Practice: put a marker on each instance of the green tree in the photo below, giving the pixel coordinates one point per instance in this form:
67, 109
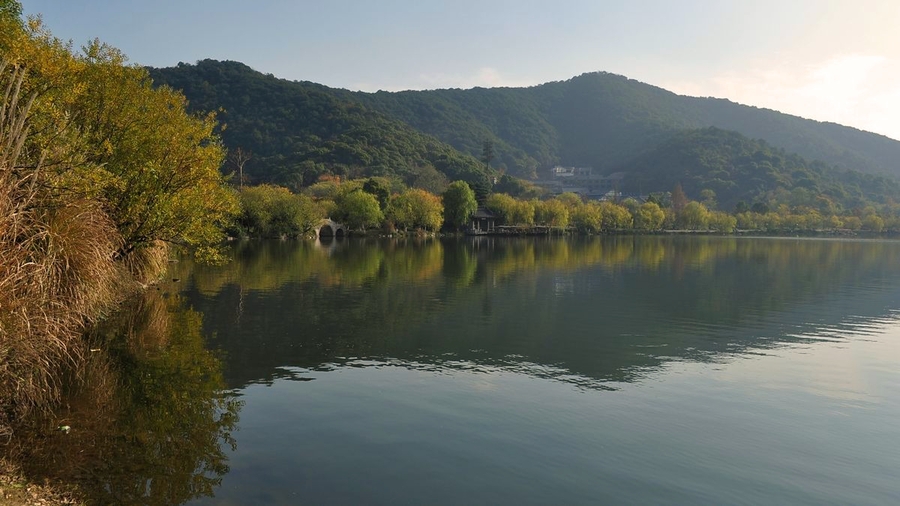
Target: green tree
323, 190
359, 210
430, 211
771, 222
503, 206
615, 217
256, 209
722, 222
570, 200
852, 223
160, 174
481, 184
96, 170
272, 211
694, 216
459, 204
523, 213
649, 216
631, 204
416, 208
588, 218
662, 199
380, 187
748, 221
516, 187
487, 153
708, 198
11, 10
552, 213
429, 179
873, 223
835, 223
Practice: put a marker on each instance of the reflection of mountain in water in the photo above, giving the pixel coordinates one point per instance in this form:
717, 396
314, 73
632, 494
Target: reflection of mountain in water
589, 311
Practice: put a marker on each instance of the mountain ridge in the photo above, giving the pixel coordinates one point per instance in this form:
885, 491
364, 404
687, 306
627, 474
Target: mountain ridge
664, 111
300, 130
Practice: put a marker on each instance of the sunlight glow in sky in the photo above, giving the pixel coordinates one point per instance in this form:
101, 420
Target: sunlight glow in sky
830, 60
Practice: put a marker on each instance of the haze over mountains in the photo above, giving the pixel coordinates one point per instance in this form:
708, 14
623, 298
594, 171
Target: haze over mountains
298, 131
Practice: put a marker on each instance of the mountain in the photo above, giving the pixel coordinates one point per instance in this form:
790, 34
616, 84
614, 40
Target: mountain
298, 131
602, 120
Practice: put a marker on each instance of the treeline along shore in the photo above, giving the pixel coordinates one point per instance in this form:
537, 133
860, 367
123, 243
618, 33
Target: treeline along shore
380, 205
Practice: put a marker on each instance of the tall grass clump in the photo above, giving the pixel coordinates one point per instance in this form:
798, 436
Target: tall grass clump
57, 267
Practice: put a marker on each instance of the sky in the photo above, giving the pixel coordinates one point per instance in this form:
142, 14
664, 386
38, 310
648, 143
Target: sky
830, 60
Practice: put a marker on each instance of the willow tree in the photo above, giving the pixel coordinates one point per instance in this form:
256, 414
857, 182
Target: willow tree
588, 218
415, 208
649, 216
459, 204
553, 213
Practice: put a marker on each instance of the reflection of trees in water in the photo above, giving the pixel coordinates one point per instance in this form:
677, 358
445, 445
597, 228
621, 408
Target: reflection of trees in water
148, 417
568, 303
268, 265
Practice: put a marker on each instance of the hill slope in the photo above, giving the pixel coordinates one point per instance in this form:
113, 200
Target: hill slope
737, 169
602, 120
297, 132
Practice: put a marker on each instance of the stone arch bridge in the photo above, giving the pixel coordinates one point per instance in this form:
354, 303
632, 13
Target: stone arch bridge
329, 228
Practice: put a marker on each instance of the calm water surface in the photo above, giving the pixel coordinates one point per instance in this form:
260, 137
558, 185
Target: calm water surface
648, 370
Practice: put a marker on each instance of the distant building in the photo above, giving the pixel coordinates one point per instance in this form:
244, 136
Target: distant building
583, 181
483, 221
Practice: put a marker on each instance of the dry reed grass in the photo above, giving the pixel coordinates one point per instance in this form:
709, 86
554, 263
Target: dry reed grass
147, 264
57, 265
57, 273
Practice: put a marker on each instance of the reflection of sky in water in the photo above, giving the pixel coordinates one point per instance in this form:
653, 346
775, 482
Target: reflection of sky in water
804, 423
835, 361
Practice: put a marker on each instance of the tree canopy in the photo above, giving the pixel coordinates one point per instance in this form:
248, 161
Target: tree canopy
459, 204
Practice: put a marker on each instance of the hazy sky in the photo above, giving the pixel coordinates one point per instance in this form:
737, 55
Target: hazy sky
831, 60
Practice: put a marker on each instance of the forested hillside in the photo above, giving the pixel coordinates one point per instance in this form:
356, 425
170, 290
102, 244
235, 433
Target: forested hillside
298, 131
602, 120
737, 169
838, 145
523, 140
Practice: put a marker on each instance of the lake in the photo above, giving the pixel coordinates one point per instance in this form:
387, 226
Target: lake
614, 370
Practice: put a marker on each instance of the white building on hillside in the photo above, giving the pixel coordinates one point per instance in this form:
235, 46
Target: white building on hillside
581, 180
